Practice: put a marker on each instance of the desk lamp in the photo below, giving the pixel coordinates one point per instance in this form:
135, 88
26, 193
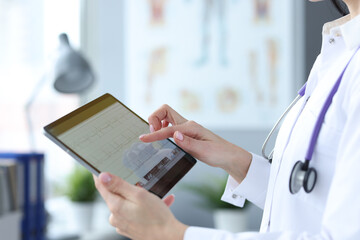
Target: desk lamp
71, 73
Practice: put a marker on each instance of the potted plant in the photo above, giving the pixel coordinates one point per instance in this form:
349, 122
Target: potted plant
226, 216
82, 192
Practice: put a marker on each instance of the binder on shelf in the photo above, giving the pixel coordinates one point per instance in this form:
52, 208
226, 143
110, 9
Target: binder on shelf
10, 183
31, 181
4, 193
40, 214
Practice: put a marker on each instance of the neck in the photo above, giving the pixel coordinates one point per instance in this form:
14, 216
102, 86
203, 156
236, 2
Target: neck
354, 7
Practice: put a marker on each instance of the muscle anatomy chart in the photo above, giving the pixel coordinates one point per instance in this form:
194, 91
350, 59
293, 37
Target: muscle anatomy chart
213, 10
215, 61
262, 10
157, 11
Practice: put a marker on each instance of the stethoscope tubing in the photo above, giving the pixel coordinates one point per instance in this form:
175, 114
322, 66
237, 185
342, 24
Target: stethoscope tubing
323, 112
303, 176
269, 157
318, 123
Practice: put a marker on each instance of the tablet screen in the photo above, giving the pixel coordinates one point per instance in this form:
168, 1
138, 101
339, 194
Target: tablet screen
105, 135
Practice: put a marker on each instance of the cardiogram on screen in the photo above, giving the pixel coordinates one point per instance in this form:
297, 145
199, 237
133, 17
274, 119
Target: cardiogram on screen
110, 140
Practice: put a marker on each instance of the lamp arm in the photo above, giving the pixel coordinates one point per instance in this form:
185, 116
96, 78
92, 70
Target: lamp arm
28, 106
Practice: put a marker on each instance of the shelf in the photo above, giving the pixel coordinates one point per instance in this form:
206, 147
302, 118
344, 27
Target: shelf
10, 226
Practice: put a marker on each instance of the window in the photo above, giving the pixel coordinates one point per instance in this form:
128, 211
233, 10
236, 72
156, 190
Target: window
29, 32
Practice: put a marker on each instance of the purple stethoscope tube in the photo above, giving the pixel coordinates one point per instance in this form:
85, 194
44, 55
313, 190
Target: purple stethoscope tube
323, 111
302, 175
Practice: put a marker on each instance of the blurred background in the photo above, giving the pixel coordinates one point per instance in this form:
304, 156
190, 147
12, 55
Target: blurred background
231, 65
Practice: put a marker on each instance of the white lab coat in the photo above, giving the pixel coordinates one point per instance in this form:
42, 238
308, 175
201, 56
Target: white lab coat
332, 209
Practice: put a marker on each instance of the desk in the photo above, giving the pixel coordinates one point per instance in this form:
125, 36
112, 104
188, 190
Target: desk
10, 225
62, 225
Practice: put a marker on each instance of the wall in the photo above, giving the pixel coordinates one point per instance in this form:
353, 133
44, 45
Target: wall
316, 14
102, 41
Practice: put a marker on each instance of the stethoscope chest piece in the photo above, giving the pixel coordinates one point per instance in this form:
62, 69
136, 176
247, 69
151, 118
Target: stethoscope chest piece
302, 176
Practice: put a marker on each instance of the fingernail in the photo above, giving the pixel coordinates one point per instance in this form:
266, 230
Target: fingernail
141, 136
152, 129
105, 177
179, 136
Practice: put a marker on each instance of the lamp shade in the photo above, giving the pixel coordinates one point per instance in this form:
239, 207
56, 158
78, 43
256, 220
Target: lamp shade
72, 72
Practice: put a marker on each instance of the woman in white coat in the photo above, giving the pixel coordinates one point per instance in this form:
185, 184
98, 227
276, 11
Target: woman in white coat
330, 211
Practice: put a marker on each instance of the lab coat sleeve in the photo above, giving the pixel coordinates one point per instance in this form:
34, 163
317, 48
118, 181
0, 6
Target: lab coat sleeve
253, 187
193, 233
341, 219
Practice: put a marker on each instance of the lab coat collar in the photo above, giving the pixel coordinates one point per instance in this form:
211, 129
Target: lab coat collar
346, 27
333, 26
351, 33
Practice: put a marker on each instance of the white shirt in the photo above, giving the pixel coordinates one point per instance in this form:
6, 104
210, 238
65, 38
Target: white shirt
332, 209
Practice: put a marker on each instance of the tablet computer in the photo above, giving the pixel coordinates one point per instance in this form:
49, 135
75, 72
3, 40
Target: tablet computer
103, 136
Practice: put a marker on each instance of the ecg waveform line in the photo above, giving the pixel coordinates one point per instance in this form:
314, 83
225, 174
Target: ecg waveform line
105, 136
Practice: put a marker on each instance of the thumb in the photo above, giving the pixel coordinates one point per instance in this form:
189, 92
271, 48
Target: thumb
169, 200
117, 185
190, 145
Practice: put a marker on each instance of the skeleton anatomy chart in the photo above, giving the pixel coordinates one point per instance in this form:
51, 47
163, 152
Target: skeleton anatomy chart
222, 63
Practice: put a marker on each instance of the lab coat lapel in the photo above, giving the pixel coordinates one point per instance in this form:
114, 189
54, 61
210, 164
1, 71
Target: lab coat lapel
329, 75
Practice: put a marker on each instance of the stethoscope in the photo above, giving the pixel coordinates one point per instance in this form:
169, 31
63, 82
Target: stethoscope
302, 175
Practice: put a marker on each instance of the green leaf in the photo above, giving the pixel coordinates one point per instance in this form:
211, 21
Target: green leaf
80, 185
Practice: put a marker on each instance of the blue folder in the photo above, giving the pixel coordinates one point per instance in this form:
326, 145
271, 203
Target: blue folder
34, 216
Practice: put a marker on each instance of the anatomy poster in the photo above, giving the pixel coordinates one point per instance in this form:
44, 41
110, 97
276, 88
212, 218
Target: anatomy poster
223, 63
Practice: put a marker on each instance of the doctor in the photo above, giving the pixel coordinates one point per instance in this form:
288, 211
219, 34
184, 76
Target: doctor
324, 206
